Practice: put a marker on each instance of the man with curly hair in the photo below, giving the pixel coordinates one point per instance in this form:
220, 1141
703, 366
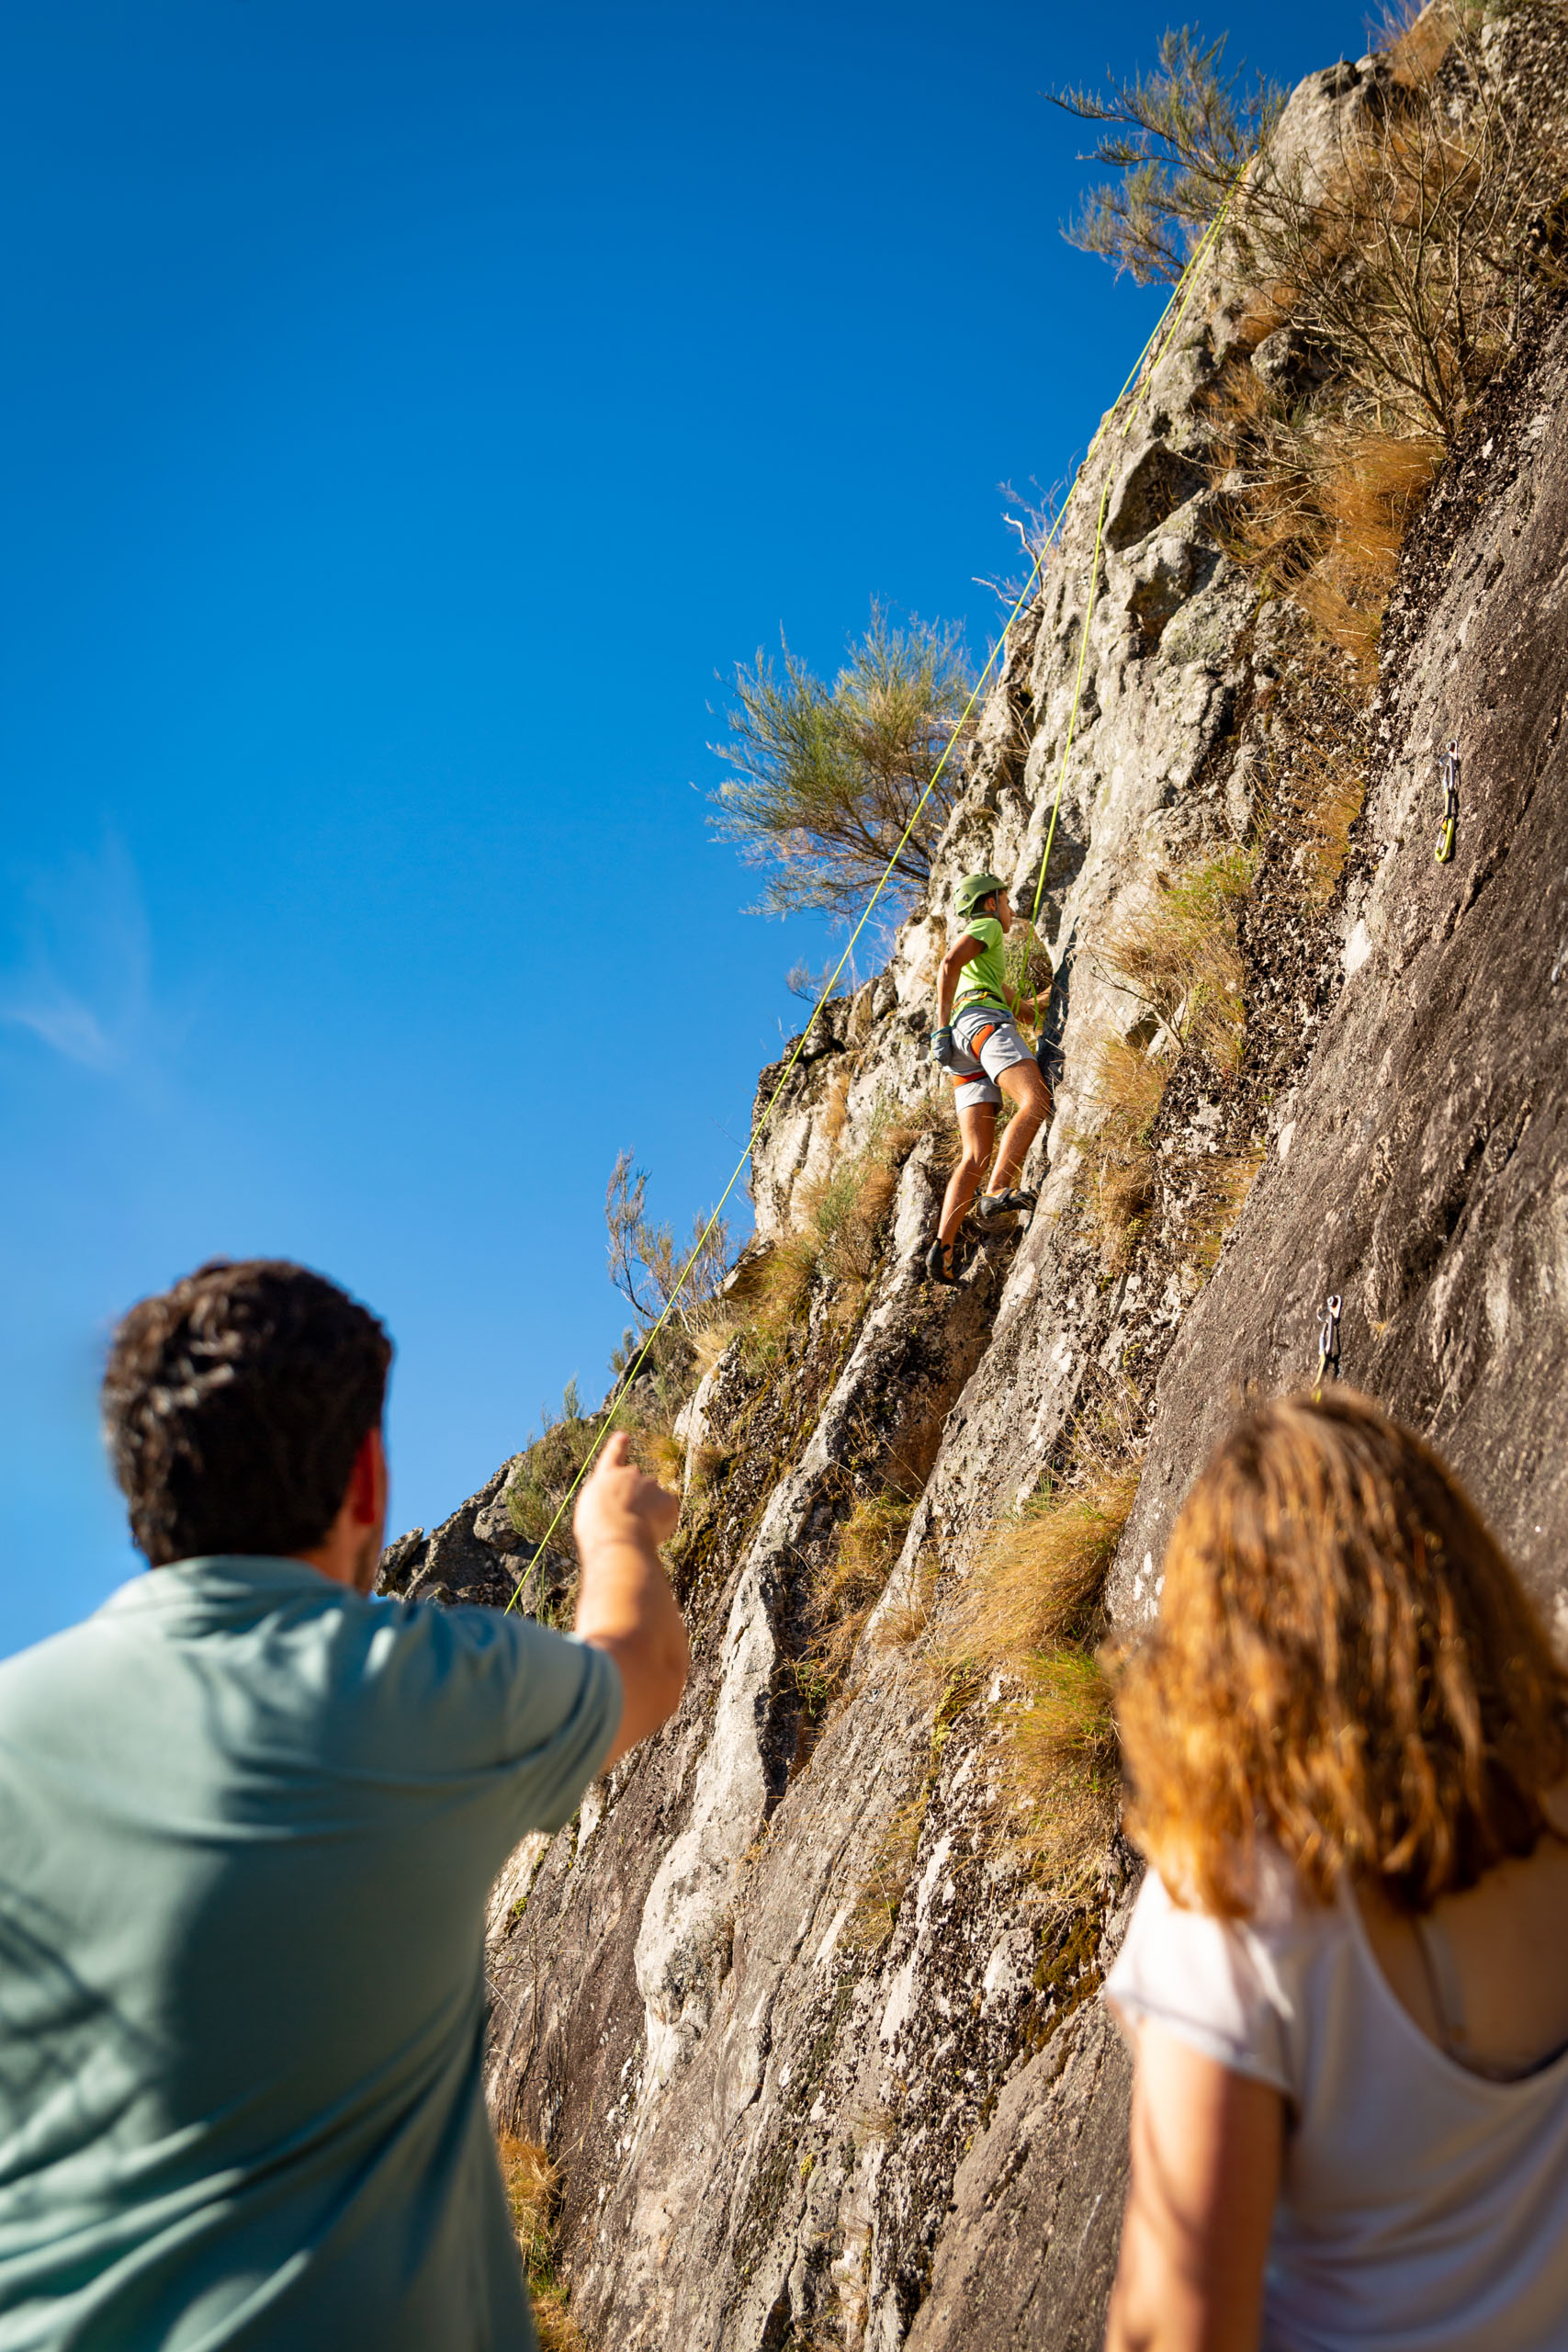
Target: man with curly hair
249, 1818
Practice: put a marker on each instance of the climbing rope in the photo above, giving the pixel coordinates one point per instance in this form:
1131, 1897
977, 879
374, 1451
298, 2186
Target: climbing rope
1180, 299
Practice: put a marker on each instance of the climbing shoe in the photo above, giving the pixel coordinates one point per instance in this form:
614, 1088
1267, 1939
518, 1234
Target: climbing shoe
992, 1207
939, 1267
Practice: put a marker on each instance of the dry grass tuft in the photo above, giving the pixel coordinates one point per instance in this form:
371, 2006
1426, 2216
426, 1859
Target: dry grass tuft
1224, 1182
869, 1543
1178, 953
835, 1110
1061, 1769
533, 2195
1040, 1577
1034, 1612
710, 1340
1127, 1087
1417, 39
660, 1452
905, 1623
1367, 488
1336, 797
780, 1291
846, 1214
876, 1914
847, 1590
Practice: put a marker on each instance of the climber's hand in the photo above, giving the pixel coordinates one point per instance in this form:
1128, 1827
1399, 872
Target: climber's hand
620, 1502
625, 1602
943, 1050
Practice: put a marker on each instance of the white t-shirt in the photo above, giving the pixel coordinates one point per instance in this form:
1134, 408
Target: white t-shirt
1422, 2208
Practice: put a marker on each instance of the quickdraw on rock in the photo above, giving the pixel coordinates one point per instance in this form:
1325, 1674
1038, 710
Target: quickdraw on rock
1448, 776
1328, 1337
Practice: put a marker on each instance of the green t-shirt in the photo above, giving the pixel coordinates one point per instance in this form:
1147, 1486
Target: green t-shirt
248, 1823
984, 980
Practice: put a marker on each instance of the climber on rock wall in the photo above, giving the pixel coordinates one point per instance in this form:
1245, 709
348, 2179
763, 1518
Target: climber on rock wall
250, 1818
976, 1041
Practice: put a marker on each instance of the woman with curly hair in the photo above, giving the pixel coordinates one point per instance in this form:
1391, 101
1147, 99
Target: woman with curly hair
1346, 1978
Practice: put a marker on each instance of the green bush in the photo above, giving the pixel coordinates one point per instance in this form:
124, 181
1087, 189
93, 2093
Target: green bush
827, 778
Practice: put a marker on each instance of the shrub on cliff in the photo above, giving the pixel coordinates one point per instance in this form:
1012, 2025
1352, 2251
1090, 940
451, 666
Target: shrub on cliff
1385, 251
1179, 138
659, 1278
1396, 248
828, 779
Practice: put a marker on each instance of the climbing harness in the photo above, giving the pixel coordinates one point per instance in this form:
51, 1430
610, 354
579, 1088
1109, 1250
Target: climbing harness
1448, 776
1181, 299
1327, 1339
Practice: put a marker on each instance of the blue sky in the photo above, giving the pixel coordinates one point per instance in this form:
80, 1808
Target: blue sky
409, 409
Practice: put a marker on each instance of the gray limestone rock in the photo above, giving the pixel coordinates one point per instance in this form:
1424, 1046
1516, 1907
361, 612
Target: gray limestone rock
820, 2062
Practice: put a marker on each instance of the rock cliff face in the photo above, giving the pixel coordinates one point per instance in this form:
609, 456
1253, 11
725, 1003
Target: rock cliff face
818, 2051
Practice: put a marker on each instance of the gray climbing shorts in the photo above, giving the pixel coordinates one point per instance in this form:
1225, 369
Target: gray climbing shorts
974, 1085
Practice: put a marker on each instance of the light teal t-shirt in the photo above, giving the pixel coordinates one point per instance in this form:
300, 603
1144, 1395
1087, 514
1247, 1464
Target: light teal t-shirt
248, 1823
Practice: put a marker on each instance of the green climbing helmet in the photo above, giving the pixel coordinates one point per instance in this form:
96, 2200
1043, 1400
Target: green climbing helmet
974, 888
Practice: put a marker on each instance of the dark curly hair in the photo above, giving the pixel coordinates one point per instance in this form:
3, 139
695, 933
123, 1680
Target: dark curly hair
234, 1405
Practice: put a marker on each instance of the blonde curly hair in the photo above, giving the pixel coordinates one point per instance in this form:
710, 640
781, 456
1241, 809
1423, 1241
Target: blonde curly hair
1345, 1663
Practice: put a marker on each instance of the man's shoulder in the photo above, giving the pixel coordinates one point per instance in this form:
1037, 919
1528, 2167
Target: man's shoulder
425, 1647
986, 929
45, 1668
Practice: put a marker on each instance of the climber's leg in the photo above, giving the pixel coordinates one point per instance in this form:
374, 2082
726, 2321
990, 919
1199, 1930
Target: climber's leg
1024, 1085
977, 1126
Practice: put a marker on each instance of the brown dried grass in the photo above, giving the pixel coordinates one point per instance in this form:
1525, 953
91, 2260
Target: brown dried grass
1034, 1612
1335, 798
1179, 953
660, 1452
845, 1217
711, 1337
1367, 489
1264, 309
533, 2183
835, 1110
1224, 1182
1116, 1159
846, 1591
1061, 1774
1040, 1579
908, 1618
1417, 40
869, 1543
